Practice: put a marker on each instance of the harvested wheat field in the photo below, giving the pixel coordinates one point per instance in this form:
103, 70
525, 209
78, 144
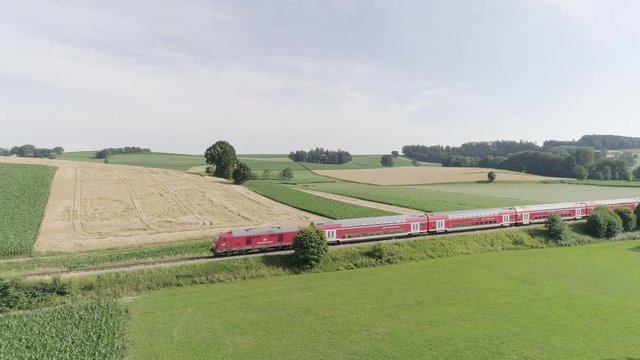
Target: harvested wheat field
96, 206
425, 175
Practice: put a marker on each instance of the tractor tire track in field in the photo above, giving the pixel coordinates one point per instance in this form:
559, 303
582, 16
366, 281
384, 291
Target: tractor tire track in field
177, 200
76, 207
229, 207
134, 199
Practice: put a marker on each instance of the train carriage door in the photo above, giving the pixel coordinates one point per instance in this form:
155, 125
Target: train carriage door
525, 218
415, 228
578, 213
439, 225
331, 235
505, 220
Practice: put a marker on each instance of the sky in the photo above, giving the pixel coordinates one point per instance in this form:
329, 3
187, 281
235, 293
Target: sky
275, 76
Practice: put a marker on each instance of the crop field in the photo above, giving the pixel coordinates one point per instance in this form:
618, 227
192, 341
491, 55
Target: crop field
80, 331
419, 198
314, 204
23, 197
425, 175
99, 206
558, 303
547, 193
153, 160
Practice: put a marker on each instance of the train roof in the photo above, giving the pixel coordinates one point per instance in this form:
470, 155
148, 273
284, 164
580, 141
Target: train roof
378, 220
260, 231
472, 213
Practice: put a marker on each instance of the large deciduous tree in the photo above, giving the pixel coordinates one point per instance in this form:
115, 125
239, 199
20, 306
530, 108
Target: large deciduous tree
386, 160
310, 247
223, 156
242, 173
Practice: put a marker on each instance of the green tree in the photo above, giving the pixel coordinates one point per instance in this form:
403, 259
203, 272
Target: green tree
637, 213
629, 219
285, 175
242, 173
310, 247
266, 175
491, 176
614, 225
223, 156
395, 154
636, 173
597, 222
58, 150
210, 169
386, 160
415, 163
556, 227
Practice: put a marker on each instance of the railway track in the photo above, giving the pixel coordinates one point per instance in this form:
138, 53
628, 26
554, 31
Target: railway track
207, 258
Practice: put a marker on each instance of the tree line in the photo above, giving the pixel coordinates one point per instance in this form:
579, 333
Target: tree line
598, 142
105, 153
570, 161
29, 150
321, 156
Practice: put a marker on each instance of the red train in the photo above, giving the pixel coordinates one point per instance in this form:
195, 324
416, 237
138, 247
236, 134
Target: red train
397, 226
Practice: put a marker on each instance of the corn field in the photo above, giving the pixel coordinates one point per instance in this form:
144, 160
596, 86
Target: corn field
93, 330
24, 190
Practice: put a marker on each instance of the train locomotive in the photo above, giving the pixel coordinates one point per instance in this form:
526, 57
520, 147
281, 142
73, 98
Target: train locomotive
399, 226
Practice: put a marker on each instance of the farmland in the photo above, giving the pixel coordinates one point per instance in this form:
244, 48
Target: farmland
425, 175
80, 331
153, 160
422, 198
314, 204
488, 306
23, 197
98, 206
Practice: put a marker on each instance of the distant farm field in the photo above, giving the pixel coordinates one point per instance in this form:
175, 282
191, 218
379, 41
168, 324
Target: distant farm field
425, 175
152, 160
547, 193
311, 203
558, 303
23, 197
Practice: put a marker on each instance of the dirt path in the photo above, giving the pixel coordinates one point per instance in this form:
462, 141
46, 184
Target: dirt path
370, 204
97, 206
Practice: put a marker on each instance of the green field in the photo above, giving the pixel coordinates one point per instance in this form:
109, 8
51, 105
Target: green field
558, 303
24, 190
311, 203
419, 198
153, 160
540, 192
80, 331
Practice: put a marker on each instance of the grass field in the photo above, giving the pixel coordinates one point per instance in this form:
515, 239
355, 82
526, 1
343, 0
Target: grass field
311, 203
23, 196
419, 198
154, 160
548, 193
559, 303
80, 331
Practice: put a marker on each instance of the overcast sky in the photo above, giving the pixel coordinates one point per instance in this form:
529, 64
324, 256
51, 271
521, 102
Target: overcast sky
273, 76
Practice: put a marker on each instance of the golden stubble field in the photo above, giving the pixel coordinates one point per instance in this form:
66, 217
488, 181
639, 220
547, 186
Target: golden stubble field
96, 206
425, 175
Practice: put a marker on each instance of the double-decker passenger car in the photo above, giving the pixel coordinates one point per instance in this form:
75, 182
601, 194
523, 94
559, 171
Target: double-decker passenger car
470, 219
373, 228
533, 214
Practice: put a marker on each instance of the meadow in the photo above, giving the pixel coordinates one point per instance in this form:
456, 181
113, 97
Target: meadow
419, 198
310, 203
558, 303
23, 194
179, 162
93, 330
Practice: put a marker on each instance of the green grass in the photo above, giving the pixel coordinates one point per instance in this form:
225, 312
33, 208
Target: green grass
615, 183
419, 198
81, 331
24, 190
542, 193
559, 303
51, 263
153, 160
314, 204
